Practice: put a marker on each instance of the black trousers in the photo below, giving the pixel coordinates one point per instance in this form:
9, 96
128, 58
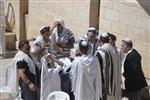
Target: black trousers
26, 93
66, 84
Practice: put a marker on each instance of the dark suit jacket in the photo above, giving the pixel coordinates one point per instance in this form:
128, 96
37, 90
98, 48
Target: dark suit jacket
134, 77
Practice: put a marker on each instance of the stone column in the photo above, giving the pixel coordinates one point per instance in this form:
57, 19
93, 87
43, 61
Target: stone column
2, 29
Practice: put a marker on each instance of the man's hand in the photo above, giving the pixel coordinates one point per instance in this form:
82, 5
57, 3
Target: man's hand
50, 57
32, 87
46, 45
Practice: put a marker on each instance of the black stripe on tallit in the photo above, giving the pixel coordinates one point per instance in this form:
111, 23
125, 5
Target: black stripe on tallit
109, 61
101, 65
106, 70
111, 71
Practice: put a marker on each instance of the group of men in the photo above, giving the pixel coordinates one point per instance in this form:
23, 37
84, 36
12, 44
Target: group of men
92, 73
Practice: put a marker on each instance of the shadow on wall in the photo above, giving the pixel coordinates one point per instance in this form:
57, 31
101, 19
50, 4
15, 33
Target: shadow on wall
10, 17
145, 5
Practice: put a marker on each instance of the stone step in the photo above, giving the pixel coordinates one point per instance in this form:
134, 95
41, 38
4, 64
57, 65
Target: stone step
10, 41
10, 54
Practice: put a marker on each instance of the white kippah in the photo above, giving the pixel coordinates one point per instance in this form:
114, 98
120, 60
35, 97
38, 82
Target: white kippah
92, 28
84, 43
127, 40
105, 34
42, 27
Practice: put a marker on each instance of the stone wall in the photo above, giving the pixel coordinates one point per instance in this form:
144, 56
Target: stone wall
126, 18
2, 28
75, 14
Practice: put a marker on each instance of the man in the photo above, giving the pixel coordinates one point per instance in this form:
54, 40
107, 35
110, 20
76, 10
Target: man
27, 69
134, 76
50, 79
112, 39
120, 54
92, 38
109, 61
43, 43
86, 75
63, 39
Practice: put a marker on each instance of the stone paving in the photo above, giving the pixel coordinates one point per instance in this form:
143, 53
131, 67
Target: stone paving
3, 62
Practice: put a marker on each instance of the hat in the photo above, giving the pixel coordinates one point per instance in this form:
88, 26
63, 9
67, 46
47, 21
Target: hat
104, 37
83, 46
127, 40
92, 29
44, 29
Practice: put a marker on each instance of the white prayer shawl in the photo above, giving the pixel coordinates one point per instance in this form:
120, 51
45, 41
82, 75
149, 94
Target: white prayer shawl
18, 57
39, 43
120, 56
66, 33
67, 63
115, 90
50, 80
86, 78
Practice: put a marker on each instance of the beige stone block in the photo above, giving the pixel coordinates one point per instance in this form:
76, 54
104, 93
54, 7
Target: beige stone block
142, 34
142, 22
106, 4
141, 46
105, 24
133, 10
82, 16
116, 27
141, 12
139, 32
132, 3
120, 37
111, 14
122, 7
83, 6
102, 9
149, 24
124, 18
149, 36
102, 31
137, 46
123, 28
149, 49
132, 19
145, 36
131, 32
145, 61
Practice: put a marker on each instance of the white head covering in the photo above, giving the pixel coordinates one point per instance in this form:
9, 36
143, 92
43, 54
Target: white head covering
42, 27
127, 40
105, 35
92, 29
61, 22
